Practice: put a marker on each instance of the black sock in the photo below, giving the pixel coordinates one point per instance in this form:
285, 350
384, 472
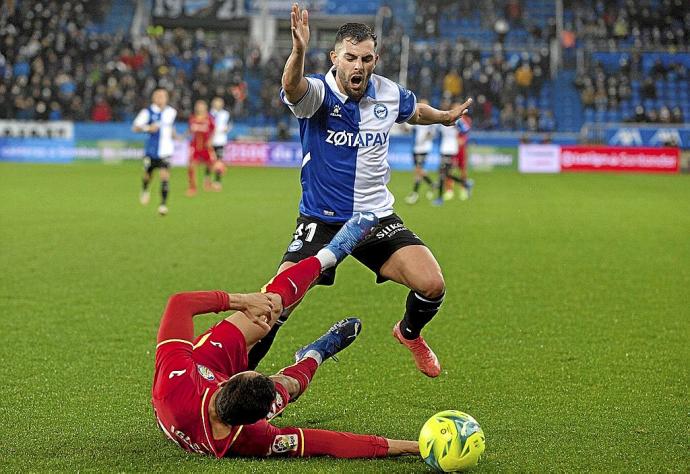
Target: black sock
145, 184
416, 186
418, 312
218, 175
164, 192
261, 348
428, 180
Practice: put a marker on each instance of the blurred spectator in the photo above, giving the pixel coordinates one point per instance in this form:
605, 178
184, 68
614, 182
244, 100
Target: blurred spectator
452, 85
101, 111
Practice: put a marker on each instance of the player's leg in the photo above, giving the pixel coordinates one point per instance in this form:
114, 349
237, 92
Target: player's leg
164, 174
415, 267
419, 174
218, 168
145, 196
443, 172
191, 172
310, 236
396, 253
207, 172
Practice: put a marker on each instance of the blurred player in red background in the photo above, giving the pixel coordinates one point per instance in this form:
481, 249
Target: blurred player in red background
464, 126
201, 151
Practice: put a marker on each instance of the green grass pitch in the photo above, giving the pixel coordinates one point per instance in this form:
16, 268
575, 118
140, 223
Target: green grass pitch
565, 332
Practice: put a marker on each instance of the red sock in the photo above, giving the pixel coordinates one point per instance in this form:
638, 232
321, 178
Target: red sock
291, 284
303, 371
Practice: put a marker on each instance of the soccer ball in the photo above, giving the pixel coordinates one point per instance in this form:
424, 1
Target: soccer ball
451, 441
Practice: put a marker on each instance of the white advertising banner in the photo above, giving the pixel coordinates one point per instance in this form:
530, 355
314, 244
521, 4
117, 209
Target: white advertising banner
539, 159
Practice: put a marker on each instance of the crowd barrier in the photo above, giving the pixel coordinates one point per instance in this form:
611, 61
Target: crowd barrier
63, 142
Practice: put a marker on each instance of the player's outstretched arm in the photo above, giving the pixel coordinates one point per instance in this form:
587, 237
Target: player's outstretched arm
176, 322
293, 81
426, 115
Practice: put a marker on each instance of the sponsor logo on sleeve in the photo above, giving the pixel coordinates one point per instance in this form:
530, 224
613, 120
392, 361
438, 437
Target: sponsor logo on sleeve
205, 372
284, 443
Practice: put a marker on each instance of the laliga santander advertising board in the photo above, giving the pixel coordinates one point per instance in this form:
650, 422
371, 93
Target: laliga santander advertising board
589, 158
620, 159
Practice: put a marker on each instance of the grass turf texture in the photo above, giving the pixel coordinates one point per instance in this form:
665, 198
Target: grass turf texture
564, 333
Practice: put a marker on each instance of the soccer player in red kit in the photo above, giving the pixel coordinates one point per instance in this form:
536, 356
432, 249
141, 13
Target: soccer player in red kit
201, 150
206, 400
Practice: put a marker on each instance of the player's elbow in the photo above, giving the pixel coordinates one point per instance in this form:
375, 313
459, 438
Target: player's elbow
178, 298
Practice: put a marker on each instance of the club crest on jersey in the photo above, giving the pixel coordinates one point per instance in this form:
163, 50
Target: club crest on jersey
284, 443
356, 139
381, 111
295, 246
205, 372
336, 111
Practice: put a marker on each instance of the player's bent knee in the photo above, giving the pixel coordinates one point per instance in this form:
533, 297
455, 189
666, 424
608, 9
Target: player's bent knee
431, 287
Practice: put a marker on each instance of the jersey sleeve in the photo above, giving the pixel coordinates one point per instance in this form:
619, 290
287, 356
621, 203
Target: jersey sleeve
176, 323
407, 106
142, 118
310, 101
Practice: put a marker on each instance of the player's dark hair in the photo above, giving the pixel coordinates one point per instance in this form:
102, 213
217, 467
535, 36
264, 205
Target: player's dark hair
355, 32
245, 399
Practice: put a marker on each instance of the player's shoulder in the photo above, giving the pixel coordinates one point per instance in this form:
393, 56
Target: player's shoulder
319, 76
386, 88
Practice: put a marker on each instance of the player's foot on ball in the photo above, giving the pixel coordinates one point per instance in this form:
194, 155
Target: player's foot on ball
163, 210
352, 233
448, 195
144, 197
412, 198
191, 192
338, 337
437, 202
424, 358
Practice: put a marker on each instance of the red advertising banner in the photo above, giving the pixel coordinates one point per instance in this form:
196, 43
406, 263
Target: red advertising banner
246, 153
622, 159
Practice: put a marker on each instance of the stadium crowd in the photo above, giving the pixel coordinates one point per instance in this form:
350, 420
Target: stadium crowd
56, 65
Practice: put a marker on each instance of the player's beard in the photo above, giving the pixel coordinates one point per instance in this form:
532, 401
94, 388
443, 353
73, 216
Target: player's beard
354, 94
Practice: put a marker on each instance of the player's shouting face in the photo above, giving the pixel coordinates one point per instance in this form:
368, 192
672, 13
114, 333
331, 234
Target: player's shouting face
354, 58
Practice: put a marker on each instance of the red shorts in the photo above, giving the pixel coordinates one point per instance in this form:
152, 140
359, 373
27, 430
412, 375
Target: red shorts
222, 348
200, 156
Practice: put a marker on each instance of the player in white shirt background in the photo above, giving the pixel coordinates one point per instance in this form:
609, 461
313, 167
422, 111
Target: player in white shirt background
158, 121
221, 119
452, 150
345, 118
423, 143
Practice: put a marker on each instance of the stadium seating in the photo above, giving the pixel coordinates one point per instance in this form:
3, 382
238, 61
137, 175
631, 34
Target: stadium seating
100, 72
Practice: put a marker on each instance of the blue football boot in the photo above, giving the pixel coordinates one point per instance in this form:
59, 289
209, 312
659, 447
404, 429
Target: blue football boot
337, 338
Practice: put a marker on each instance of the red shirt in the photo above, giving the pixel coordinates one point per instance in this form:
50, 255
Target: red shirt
202, 131
189, 373
185, 379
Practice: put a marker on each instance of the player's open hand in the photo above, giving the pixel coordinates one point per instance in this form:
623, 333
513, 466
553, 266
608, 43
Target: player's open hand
299, 23
258, 307
455, 114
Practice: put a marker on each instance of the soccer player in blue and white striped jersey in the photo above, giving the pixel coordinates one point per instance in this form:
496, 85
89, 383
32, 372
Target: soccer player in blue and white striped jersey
345, 117
158, 121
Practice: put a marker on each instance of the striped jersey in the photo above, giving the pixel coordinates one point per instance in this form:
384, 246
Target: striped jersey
159, 144
345, 146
